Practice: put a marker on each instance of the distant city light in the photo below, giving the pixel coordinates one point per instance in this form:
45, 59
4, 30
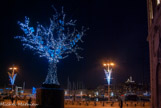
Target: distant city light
33, 90
66, 92
97, 93
158, 2
112, 94
81, 93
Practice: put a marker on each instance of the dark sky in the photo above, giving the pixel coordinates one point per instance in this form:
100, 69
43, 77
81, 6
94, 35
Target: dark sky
117, 32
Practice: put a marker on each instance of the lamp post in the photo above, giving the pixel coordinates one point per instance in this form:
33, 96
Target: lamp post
12, 75
81, 93
108, 71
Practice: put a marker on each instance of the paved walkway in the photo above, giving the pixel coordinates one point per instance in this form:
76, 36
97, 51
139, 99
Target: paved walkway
108, 105
23, 104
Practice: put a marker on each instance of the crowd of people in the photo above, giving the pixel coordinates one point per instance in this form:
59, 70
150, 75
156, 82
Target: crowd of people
17, 98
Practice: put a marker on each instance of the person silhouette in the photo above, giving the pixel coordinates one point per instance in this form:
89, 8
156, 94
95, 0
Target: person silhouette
12, 99
121, 103
16, 99
29, 101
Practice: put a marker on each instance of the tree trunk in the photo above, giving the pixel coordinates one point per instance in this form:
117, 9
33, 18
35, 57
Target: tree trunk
51, 77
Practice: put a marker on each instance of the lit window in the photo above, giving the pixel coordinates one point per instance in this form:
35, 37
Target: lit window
151, 10
158, 2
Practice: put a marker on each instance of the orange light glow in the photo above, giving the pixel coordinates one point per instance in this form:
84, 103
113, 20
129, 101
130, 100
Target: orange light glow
14, 68
104, 64
112, 64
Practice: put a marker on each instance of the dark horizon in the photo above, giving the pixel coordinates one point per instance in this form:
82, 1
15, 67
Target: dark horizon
117, 31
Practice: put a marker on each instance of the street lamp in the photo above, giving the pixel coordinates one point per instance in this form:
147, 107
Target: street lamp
81, 93
12, 75
108, 71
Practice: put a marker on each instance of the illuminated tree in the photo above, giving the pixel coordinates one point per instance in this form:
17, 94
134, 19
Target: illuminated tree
12, 78
54, 42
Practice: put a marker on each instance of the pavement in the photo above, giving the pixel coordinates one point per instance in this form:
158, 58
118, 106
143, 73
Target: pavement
108, 105
69, 104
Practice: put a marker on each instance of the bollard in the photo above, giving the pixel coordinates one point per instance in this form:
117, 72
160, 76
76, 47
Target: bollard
86, 104
103, 104
80, 103
135, 105
112, 104
72, 103
127, 105
95, 103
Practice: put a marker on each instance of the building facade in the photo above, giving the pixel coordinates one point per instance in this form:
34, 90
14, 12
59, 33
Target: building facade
154, 39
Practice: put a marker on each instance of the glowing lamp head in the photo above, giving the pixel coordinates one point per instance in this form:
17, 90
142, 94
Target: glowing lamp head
112, 64
108, 64
104, 64
13, 68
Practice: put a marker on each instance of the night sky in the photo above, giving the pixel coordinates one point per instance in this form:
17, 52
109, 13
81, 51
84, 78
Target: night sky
117, 32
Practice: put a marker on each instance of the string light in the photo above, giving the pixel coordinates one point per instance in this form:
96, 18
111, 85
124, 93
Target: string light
54, 42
